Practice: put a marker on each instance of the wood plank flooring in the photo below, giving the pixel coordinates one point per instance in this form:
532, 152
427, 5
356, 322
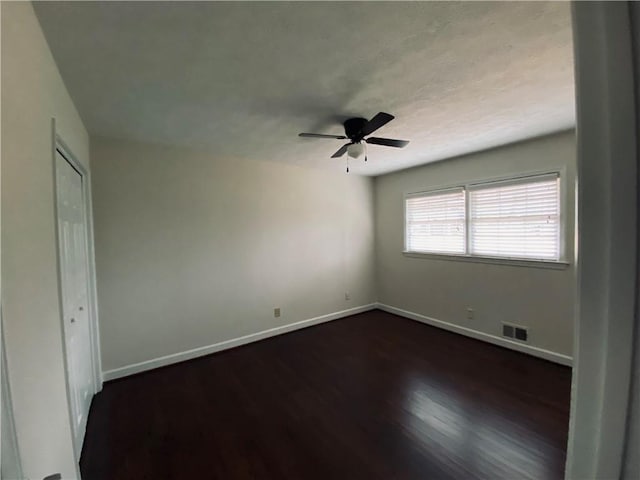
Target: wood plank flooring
373, 396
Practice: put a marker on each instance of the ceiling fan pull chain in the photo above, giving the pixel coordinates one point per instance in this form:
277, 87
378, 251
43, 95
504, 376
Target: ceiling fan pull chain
347, 163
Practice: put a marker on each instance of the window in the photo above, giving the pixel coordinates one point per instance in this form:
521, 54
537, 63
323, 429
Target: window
518, 219
435, 222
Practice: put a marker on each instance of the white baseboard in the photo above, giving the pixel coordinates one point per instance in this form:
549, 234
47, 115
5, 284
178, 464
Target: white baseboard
503, 342
225, 345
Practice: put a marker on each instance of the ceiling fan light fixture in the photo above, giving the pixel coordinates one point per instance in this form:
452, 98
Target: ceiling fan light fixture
355, 150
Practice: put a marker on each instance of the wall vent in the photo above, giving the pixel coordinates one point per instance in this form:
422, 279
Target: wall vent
515, 332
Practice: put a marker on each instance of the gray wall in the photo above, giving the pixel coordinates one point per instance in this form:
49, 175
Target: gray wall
192, 250
32, 94
541, 299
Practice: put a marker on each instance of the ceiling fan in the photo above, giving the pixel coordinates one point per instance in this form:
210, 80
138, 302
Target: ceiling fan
356, 129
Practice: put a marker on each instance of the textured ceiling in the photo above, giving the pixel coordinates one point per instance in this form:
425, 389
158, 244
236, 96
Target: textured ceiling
242, 79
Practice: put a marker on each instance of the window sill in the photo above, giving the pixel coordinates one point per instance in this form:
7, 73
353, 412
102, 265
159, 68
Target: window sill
513, 262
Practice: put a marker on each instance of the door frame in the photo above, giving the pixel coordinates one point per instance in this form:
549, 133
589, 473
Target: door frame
607, 242
7, 404
61, 147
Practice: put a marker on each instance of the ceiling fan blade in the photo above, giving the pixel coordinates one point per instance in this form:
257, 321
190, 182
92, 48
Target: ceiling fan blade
376, 122
341, 151
387, 142
321, 135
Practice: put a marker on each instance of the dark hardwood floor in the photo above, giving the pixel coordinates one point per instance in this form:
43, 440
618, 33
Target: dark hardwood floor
373, 396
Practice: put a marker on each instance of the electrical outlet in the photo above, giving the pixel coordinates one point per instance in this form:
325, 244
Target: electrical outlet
469, 313
347, 296
276, 312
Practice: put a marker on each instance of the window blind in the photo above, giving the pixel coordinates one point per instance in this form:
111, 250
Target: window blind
435, 222
516, 219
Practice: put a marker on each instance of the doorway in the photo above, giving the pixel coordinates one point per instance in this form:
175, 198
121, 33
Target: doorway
76, 289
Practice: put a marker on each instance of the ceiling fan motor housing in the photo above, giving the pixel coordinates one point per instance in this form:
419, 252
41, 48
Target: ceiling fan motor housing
353, 127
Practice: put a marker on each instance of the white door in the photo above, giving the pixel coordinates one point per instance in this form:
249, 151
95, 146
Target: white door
72, 238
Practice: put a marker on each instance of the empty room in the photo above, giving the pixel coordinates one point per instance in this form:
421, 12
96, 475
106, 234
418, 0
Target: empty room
319, 240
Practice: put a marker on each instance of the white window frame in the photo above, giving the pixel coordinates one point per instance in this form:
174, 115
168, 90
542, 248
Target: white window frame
559, 264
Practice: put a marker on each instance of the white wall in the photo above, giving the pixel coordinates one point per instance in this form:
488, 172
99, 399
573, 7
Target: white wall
541, 299
32, 94
192, 250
